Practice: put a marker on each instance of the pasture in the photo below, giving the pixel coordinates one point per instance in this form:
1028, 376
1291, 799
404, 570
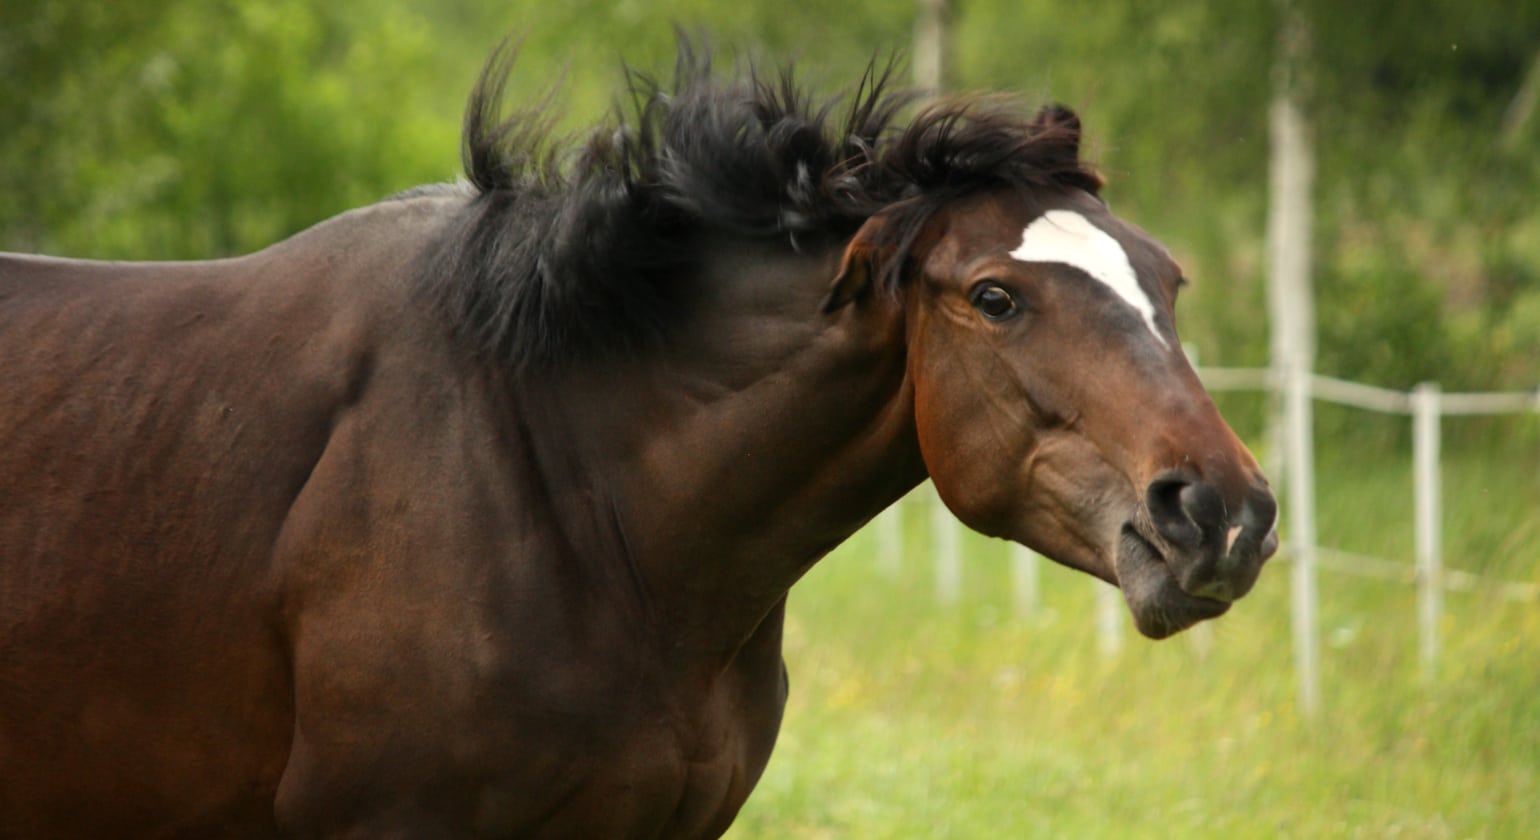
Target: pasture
908, 719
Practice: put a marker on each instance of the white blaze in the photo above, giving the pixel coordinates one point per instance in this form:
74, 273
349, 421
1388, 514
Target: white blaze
1064, 236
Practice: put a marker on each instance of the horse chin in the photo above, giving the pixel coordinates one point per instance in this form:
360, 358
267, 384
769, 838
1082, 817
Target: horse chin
1158, 604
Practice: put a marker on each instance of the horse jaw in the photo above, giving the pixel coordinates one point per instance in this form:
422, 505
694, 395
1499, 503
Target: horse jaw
1159, 606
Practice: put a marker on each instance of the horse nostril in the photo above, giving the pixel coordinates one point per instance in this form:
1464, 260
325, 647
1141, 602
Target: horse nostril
1259, 512
1259, 515
1166, 499
1214, 554
1186, 512
1203, 505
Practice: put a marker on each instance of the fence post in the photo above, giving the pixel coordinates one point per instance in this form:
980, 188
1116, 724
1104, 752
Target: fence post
1300, 483
1291, 173
1024, 575
1426, 412
929, 54
946, 539
1109, 618
890, 539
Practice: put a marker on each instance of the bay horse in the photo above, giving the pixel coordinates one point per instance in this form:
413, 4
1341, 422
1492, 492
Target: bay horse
474, 512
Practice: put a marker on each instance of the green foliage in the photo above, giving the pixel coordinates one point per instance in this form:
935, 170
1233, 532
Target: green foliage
197, 129
1426, 219
1380, 320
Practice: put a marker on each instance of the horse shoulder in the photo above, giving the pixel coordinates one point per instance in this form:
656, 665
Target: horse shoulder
444, 628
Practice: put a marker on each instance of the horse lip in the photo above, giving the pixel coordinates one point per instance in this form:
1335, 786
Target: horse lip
1156, 600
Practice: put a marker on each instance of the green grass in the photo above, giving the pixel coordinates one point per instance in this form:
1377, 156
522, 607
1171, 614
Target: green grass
910, 720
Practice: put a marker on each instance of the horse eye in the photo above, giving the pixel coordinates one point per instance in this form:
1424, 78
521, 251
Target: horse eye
993, 301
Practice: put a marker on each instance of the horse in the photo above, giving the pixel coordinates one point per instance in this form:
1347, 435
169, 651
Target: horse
473, 512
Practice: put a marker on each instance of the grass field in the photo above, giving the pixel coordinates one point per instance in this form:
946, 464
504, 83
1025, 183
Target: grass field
910, 720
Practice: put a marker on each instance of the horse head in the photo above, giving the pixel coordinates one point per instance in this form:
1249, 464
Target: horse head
1053, 402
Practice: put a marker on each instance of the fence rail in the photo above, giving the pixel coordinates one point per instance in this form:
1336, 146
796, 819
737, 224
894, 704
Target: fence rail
1369, 566
1371, 397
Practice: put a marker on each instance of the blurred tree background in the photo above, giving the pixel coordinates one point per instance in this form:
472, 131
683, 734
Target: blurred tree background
199, 128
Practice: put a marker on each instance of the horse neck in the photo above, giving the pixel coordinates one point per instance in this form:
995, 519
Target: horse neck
760, 437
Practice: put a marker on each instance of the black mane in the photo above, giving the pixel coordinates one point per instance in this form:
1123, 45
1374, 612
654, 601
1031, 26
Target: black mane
568, 253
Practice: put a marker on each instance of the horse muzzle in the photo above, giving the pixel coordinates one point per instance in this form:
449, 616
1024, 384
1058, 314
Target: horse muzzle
1192, 553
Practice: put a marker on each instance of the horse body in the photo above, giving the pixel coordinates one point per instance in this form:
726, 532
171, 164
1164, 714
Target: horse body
280, 603
168, 430
301, 543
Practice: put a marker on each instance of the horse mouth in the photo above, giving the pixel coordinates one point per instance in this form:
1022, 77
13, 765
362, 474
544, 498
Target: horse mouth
1157, 601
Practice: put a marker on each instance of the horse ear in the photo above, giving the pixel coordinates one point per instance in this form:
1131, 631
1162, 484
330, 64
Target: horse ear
855, 275
1058, 126
1056, 130
856, 267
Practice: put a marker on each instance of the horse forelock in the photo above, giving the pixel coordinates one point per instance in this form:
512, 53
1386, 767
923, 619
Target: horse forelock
565, 252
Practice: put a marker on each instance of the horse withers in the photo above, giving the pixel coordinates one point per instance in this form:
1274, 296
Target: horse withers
474, 512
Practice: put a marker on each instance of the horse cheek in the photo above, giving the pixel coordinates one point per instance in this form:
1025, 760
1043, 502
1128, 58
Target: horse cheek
955, 441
